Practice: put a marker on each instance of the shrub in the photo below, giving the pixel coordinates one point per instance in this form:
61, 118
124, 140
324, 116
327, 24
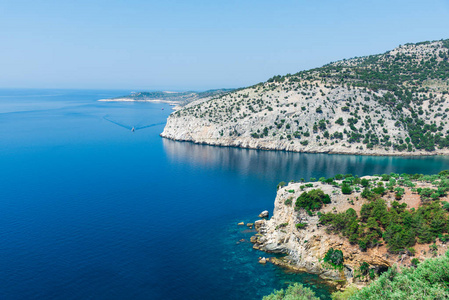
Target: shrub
346, 294
364, 182
300, 225
367, 194
329, 180
380, 190
339, 121
411, 251
399, 193
346, 189
334, 257
295, 291
385, 177
364, 268
312, 200
281, 184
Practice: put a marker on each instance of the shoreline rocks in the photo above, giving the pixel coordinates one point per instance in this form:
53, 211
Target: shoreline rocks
305, 248
250, 143
264, 214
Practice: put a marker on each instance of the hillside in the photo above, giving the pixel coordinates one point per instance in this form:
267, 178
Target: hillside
394, 103
351, 229
176, 98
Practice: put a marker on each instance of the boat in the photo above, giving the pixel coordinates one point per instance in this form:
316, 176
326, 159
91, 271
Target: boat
132, 129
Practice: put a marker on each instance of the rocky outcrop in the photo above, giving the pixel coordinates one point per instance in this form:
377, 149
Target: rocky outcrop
264, 214
305, 246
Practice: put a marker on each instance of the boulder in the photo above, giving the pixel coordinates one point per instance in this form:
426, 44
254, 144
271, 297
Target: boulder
241, 224
274, 247
264, 214
258, 224
250, 225
263, 260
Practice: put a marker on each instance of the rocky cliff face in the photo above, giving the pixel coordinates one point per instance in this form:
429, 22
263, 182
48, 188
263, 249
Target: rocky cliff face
306, 247
390, 104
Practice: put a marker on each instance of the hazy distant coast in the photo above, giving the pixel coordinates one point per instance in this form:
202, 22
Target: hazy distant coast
176, 104
176, 99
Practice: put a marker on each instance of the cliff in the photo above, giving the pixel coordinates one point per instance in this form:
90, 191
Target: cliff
394, 103
306, 245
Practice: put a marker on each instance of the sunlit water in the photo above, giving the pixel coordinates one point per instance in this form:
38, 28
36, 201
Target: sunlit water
91, 210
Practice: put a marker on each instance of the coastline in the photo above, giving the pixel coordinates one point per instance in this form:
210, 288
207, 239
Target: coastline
176, 105
245, 144
305, 247
138, 100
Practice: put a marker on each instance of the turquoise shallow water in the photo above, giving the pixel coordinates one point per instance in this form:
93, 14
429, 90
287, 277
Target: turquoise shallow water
90, 210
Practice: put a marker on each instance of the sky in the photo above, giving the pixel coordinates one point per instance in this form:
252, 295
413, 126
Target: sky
196, 44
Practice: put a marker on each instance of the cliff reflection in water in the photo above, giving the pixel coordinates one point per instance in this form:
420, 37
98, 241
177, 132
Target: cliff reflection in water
275, 166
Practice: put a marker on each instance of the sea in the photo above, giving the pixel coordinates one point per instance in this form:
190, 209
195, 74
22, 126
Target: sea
90, 209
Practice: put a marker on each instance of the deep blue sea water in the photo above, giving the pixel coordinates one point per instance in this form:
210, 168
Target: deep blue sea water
91, 210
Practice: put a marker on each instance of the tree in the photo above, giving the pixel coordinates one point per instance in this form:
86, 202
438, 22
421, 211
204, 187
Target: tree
295, 291
334, 257
346, 189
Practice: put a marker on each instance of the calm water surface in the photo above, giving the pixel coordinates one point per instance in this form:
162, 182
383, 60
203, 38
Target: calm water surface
91, 210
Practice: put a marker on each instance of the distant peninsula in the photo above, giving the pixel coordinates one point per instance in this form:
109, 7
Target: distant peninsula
177, 99
395, 103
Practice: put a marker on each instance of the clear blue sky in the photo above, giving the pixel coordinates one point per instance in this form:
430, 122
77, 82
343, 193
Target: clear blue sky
197, 44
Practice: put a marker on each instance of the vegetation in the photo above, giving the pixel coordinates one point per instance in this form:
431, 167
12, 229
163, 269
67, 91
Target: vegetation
295, 291
429, 280
334, 257
346, 294
346, 189
396, 101
395, 225
312, 200
281, 184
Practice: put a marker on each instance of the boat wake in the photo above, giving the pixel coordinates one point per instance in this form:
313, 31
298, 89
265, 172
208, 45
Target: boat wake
129, 127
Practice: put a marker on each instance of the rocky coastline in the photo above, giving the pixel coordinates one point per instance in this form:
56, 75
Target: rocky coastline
249, 143
331, 110
304, 248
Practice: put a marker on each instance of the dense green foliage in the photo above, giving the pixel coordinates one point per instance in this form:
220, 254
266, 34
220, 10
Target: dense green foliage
293, 292
429, 280
346, 189
334, 257
396, 226
344, 295
312, 200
